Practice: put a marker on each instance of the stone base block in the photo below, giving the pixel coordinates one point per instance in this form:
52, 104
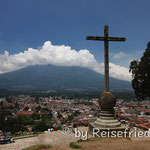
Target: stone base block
97, 131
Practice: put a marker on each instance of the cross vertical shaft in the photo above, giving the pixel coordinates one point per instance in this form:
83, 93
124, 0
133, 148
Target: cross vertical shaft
106, 39
106, 57
107, 100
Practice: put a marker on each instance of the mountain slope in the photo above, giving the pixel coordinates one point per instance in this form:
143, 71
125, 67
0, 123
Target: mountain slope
44, 77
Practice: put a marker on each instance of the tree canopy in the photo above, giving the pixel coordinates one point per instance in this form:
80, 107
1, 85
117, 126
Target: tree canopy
140, 70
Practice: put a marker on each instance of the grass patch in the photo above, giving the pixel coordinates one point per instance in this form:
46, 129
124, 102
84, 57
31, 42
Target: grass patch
73, 145
35, 147
23, 134
26, 134
81, 140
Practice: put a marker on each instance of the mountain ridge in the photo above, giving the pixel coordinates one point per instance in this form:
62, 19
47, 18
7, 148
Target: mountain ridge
45, 77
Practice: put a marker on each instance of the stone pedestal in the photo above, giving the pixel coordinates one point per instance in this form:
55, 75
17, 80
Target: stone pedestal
106, 121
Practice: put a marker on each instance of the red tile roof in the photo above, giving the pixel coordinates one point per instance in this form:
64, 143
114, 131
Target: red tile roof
25, 113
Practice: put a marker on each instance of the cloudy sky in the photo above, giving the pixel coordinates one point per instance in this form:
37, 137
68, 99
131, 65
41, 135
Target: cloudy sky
54, 32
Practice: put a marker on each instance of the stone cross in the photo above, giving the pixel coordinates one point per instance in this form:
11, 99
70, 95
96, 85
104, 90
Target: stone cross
106, 38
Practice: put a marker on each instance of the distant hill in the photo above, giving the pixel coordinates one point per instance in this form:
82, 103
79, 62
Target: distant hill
48, 77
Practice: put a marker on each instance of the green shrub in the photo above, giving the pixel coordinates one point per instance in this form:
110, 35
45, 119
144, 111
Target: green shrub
80, 140
147, 113
73, 145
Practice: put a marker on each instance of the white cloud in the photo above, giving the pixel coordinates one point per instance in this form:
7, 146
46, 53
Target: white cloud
119, 55
61, 56
119, 72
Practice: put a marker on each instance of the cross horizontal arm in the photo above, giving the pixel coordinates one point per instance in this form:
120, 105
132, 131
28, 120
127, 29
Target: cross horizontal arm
116, 39
101, 38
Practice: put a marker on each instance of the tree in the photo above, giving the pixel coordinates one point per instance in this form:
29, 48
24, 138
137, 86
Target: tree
37, 109
24, 120
59, 115
8, 99
26, 108
140, 70
147, 113
35, 116
10, 124
40, 126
